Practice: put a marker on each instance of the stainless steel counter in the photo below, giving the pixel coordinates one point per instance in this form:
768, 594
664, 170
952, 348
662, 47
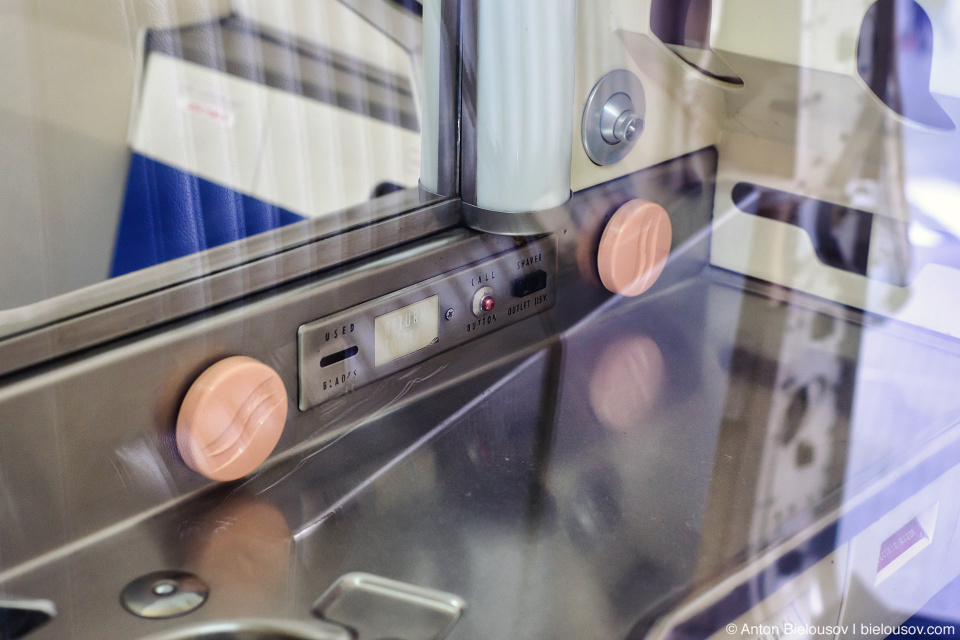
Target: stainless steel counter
554, 504
580, 474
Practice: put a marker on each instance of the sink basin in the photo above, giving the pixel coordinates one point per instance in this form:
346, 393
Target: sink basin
256, 630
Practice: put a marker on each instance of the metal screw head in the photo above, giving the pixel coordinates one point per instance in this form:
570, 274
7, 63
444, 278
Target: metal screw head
629, 127
164, 594
164, 587
449, 314
613, 117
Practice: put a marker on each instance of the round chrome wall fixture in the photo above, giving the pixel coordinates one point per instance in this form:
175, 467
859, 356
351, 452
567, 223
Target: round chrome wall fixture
613, 117
164, 594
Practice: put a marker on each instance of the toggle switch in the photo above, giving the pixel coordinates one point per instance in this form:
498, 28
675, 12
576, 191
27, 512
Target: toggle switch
529, 284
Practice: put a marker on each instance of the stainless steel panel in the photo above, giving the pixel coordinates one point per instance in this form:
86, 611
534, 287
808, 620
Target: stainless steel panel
90, 437
595, 540
256, 629
475, 472
115, 442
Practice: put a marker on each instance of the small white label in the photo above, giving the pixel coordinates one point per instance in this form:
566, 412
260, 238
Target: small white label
401, 332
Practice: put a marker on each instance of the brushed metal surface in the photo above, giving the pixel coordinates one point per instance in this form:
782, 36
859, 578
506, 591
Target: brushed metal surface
93, 435
577, 474
90, 436
452, 492
481, 472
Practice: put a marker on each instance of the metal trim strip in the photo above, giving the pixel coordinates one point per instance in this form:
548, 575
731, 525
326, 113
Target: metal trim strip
468, 101
448, 152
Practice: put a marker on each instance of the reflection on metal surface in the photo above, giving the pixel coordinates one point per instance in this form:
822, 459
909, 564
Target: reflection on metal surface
627, 381
244, 544
376, 608
840, 235
594, 215
164, 594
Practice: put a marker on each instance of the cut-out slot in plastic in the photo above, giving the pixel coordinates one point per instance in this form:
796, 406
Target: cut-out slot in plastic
895, 57
875, 246
684, 26
840, 235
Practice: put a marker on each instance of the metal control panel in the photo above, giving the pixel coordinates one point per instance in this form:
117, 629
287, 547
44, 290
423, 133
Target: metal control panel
355, 347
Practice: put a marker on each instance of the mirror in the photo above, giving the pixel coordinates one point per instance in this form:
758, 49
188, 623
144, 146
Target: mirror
136, 132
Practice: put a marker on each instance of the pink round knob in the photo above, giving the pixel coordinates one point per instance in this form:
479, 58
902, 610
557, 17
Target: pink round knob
232, 418
634, 247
